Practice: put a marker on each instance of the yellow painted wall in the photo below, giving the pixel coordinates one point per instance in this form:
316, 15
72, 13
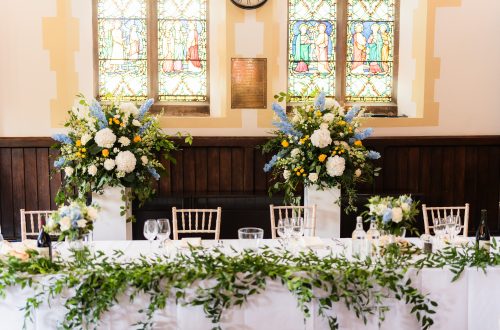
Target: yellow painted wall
446, 73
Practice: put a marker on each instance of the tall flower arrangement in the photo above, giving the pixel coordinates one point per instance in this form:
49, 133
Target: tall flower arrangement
320, 144
115, 144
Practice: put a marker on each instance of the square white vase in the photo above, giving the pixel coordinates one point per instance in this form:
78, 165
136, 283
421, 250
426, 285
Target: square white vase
110, 224
327, 210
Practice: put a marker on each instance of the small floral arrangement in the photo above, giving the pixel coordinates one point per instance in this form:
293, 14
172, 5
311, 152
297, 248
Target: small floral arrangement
73, 221
111, 144
320, 144
393, 214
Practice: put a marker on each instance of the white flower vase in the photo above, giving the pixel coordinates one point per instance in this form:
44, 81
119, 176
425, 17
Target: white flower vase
327, 210
111, 225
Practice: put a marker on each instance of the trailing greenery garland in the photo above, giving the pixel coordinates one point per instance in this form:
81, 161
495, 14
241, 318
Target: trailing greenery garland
96, 281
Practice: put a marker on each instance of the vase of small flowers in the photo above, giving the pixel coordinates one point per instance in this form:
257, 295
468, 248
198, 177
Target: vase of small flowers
113, 150
73, 222
320, 146
393, 215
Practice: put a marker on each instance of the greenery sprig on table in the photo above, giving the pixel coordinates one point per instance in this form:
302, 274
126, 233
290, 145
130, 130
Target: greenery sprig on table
96, 281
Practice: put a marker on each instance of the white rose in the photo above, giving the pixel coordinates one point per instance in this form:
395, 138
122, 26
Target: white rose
124, 141
335, 166
357, 173
313, 177
68, 171
295, 153
92, 212
92, 170
109, 164
323, 126
129, 108
137, 123
144, 160
105, 138
321, 138
331, 103
125, 161
85, 138
65, 223
328, 117
81, 223
380, 209
286, 174
397, 214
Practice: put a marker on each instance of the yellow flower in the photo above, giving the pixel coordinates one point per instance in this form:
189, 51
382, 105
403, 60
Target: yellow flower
117, 121
342, 123
105, 152
83, 150
78, 154
110, 121
304, 174
83, 156
298, 173
358, 143
78, 143
285, 143
318, 113
301, 170
334, 152
322, 158
137, 138
122, 124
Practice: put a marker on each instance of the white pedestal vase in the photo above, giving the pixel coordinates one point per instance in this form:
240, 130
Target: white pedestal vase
110, 224
327, 210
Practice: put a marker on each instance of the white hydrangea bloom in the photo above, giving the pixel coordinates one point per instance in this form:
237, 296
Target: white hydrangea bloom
295, 153
109, 164
129, 108
328, 117
331, 103
68, 171
335, 166
92, 170
286, 174
125, 162
313, 177
323, 126
144, 160
105, 138
321, 138
397, 214
124, 141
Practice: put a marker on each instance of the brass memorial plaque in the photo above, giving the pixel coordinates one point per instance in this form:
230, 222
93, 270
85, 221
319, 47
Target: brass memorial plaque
248, 83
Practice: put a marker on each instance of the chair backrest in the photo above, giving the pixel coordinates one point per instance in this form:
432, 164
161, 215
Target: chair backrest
443, 212
284, 212
31, 222
196, 221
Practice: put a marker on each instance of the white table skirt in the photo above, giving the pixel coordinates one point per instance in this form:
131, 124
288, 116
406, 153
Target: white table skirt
472, 302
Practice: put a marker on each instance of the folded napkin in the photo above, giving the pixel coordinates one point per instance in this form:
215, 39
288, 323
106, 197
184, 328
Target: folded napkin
311, 242
18, 249
187, 241
458, 241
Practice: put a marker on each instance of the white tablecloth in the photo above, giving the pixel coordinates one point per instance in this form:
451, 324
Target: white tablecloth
472, 302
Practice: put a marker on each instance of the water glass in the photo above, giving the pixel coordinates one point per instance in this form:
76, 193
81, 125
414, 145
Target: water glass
297, 227
453, 227
251, 233
163, 230
150, 230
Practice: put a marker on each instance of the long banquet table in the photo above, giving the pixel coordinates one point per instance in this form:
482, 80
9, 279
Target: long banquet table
472, 302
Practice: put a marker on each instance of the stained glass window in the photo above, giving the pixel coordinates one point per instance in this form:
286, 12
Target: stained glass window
370, 50
182, 50
122, 44
311, 45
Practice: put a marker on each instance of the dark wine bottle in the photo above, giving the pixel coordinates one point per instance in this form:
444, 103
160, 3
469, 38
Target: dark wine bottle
483, 233
44, 243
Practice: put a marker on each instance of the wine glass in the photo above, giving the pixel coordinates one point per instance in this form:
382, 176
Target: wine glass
163, 230
150, 231
439, 229
297, 227
284, 229
451, 225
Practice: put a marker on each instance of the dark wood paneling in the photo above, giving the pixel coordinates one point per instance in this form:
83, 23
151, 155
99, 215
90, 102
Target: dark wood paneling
229, 171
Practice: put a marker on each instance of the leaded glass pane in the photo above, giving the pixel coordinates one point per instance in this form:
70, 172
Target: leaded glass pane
122, 48
311, 44
182, 50
370, 50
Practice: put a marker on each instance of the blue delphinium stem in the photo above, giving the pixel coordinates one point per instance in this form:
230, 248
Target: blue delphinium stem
97, 112
153, 173
63, 138
319, 103
351, 114
145, 108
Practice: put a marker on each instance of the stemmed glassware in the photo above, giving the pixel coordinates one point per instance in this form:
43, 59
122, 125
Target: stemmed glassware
284, 229
163, 231
439, 229
453, 227
297, 230
150, 231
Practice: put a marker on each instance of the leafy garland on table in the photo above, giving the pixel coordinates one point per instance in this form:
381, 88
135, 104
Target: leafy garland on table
319, 144
362, 285
113, 144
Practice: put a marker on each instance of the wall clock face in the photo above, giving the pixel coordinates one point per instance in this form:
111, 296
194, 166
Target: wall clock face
249, 4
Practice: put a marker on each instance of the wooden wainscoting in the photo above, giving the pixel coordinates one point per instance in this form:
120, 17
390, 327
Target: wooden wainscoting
227, 171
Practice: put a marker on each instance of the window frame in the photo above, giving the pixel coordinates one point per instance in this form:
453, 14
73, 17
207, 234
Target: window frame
172, 108
389, 109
